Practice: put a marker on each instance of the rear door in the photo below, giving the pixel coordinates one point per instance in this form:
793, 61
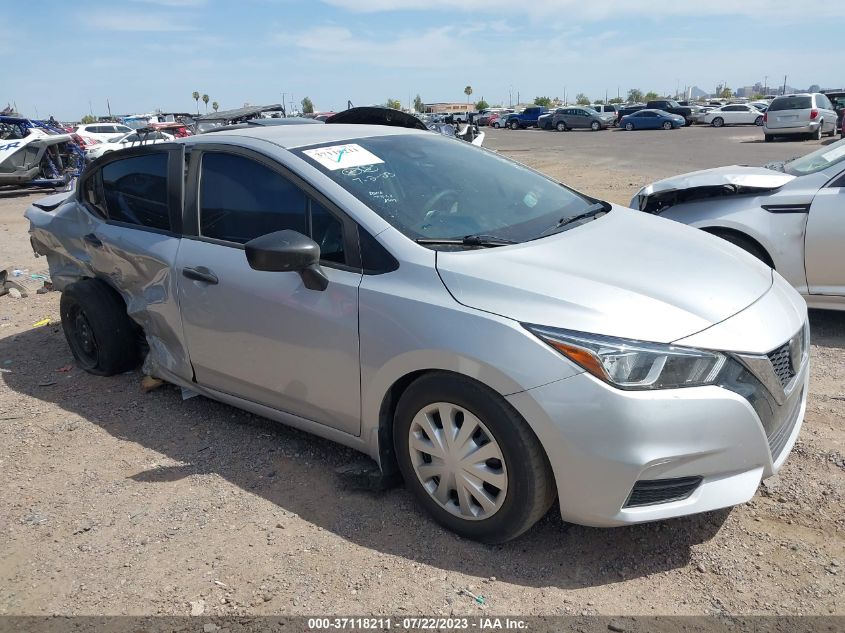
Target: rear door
132, 237
264, 336
824, 254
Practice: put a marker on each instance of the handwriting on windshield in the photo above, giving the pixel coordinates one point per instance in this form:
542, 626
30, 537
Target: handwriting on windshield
367, 173
384, 198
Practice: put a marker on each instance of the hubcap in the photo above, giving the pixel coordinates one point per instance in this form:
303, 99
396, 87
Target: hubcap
458, 461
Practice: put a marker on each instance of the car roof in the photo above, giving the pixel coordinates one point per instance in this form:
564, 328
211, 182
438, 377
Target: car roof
292, 136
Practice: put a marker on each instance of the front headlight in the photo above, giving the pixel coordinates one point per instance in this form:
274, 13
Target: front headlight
631, 364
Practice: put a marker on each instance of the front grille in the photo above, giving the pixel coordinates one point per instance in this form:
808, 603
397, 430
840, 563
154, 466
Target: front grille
782, 364
778, 439
651, 491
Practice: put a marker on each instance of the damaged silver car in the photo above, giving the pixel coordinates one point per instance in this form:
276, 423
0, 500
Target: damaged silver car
790, 215
495, 337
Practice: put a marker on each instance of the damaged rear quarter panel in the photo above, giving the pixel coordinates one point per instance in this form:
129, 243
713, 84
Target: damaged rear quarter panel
138, 263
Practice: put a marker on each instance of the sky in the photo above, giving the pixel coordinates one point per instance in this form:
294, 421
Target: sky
141, 55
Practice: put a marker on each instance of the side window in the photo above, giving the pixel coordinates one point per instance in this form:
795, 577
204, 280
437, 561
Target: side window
327, 231
135, 190
241, 199
92, 195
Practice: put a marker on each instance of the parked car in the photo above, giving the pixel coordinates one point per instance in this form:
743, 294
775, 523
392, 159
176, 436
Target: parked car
762, 106
788, 215
842, 126
133, 139
734, 114
651, 120
545, 120
499, 344
485, 116
809, 113
103, 132
37, 154
673, 107
526, 118
581, 117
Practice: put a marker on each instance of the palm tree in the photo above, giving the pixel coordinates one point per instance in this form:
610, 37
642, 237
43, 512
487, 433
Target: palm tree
468, 92
196, 97
214, 105
205, 101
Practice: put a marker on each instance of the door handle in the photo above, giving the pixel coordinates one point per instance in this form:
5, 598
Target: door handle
200, 273
93, 240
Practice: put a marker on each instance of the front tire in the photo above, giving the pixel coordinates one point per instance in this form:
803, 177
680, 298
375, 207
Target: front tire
629, 126
667, 125
102, 338
561, 126
470, 459
717, 122
595, 126
514, 125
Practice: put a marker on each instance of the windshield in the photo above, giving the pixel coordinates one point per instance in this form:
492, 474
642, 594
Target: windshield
431, 186
817, 161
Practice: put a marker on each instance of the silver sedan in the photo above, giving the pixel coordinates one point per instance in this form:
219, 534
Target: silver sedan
790, 215
494, 336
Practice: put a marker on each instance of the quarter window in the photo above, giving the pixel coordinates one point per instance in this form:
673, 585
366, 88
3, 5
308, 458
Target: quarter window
135, 190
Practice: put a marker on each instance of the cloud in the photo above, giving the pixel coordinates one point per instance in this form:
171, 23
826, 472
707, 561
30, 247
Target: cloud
411, 50
175, 3
769, 10
137, 22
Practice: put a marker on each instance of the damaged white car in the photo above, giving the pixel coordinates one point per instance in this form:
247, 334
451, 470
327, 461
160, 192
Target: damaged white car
790, 215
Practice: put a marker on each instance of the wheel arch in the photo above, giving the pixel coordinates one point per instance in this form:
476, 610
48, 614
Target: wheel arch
722, 231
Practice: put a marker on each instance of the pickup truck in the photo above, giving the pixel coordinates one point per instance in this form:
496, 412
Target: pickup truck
667, 105
526, 118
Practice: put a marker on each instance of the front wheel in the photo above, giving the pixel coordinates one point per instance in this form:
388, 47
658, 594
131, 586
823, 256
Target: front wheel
667, 125
717, 122
514, 125
470, 459
595, 126
629, 126
496, 125
561, 126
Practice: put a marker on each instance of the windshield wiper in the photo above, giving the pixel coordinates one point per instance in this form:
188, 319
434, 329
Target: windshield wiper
591, 211
468, 240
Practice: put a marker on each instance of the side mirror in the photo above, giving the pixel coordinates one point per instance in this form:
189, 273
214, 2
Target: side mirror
288, 251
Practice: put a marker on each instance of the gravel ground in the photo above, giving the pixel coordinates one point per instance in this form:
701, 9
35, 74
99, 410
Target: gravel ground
122, 502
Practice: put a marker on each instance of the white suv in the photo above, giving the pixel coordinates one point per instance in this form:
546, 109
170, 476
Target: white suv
806, 113
103, 131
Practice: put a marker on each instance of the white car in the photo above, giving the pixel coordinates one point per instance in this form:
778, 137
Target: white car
733, 114
103, 131
789, 215
134, 139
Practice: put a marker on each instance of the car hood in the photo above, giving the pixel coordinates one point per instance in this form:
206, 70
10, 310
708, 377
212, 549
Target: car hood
626, 274
748, 179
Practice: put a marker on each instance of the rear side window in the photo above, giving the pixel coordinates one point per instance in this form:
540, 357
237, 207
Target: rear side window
241, 199
135, 190
791, 103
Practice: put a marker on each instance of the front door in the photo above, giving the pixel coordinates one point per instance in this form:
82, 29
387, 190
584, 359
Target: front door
264, 336
824, 255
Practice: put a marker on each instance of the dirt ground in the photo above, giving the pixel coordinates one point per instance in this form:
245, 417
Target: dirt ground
119, 502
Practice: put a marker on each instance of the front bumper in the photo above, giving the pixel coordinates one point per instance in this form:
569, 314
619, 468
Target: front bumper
601, 441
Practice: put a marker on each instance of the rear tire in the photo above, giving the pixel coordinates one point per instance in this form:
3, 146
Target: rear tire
102, 338
523, 469
817, 135
758, 121
514, 125
768, 138
717, 122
